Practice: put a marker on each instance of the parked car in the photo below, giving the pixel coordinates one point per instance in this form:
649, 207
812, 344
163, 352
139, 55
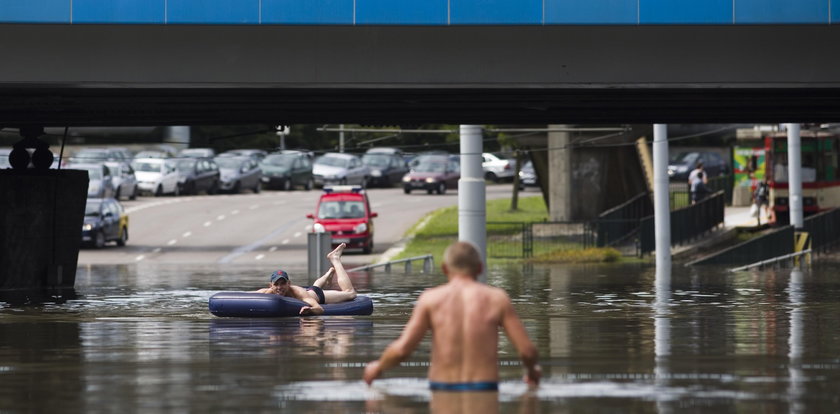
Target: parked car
345, 212
197, 153
156, 176
256, 154
198, 174
528, 176
123, 179
385, 169
97, 155
341, 169
433, 173
497, 166
286, 170
681, 165
105, 220
100, 184
239, 172
153, 154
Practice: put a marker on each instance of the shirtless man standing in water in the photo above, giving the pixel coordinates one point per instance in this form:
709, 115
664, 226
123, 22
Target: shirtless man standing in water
315, 295
464, 316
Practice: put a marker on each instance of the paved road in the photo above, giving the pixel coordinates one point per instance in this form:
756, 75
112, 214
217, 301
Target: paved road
268, 227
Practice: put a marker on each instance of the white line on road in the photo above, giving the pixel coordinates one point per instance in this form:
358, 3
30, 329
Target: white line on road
171, 242
220, 218
254, 207
255, 245
187, 234
297, 234
156, 250
260, 256
286, 241
139, 258
277, 203
207, 224
273, 248
234, 212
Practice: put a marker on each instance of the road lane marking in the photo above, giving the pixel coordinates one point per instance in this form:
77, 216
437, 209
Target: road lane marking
207, 223
221, 217
254, 207
260, 256
139, 258
255, 245
171, 242
187, 234
234, 212
286, 241
273, 248
156, 250
297, 234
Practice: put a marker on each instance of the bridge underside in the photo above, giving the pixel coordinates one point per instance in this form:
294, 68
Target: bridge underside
74, 75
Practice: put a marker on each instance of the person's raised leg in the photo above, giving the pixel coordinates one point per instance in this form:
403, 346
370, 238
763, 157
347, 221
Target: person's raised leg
325, 279
347, 291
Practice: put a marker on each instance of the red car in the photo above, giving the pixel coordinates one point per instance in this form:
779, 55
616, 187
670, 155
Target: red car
345, 212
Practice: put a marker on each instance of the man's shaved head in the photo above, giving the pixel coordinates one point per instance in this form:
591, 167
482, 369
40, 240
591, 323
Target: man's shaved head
462, 257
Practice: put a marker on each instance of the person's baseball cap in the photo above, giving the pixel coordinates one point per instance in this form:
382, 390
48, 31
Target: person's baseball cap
280, 274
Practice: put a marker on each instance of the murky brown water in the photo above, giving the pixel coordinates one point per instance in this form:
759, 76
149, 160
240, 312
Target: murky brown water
139, 338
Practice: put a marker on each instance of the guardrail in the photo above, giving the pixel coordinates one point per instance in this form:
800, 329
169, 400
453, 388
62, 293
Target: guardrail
792, 257
428, 264
824, 229
687, 223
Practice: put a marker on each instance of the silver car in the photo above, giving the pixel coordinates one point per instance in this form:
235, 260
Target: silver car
340, 168
124, 180
239, 173
100, 184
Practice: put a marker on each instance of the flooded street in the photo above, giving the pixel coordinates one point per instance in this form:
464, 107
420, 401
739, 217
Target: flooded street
139, 338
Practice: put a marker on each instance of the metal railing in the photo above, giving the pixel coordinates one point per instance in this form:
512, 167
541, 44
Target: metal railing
687, 223
680, 191
824, 229
776, 260
622, 222
428, 264
513, 240
775, 244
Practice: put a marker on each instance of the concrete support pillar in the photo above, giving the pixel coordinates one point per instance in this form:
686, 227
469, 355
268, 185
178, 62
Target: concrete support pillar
661, 200
472, 215
795, 176
179, 135
560, 171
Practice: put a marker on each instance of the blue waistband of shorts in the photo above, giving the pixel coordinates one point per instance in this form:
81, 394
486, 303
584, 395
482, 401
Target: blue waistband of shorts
464, 386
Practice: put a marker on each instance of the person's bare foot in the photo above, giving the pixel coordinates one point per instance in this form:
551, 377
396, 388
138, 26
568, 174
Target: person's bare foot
329, 277
336, 254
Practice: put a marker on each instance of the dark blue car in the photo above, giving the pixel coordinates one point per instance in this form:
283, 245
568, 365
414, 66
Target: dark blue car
105, 221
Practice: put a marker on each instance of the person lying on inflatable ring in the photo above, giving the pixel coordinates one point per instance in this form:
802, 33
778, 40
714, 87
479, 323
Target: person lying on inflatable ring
315, 295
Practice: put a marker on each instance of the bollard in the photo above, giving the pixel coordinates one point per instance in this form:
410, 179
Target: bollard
318, 245
408, 266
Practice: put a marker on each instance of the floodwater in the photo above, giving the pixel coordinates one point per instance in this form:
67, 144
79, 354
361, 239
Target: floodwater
139, 338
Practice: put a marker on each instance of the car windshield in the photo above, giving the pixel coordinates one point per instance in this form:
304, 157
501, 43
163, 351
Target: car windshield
279, 160
332, 161
375, 160
228, 163
146, 166
92, 208
185, 165
431, 167
341, 210
685, 158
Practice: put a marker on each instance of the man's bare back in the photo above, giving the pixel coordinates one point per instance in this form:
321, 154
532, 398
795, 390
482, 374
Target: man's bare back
464, 317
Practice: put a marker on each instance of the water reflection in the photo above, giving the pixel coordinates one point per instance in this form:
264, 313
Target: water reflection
616, 338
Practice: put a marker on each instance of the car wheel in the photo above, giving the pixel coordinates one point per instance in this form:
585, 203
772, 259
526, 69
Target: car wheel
406, 190
309, 184
159, 191
177, 190
490, 176
99, 242
123, 237
257, 188
118, 192
213, 188
287, 184
368, 247
441, 188
236, 188
133, 195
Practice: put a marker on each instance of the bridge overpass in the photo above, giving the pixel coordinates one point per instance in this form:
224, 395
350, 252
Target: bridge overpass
137, 62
